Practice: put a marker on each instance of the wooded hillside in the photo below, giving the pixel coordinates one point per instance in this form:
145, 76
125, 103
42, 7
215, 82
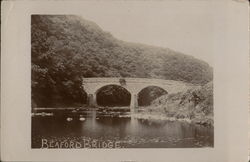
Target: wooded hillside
67, 48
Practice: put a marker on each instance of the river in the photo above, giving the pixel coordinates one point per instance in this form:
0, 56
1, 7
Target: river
102, 129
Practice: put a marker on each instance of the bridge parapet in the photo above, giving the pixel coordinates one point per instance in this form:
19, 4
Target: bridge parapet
132, 80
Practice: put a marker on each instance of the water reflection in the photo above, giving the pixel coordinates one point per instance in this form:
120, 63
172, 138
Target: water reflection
102, 130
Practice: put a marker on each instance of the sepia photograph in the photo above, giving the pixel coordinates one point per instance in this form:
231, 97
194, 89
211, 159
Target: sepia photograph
91, 89
125, 81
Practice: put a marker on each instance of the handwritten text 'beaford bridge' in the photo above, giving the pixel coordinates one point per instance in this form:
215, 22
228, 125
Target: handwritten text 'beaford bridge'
133, 85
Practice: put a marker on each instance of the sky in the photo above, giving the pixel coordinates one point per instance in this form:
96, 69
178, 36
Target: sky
180, 26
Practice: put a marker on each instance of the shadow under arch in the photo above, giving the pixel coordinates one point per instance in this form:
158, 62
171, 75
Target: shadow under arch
113, 95
149, 94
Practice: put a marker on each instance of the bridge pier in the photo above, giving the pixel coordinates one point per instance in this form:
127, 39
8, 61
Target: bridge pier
133, 102
92, 100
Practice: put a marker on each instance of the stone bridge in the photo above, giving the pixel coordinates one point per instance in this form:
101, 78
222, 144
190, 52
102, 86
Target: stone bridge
133, 85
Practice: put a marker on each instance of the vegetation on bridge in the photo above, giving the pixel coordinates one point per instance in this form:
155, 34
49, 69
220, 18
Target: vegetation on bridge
67, 48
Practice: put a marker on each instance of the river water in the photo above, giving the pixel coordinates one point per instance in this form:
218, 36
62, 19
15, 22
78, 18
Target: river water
101, 129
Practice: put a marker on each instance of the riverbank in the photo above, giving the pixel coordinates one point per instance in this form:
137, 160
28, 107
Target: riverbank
82, 108
157, 117
83, 111
205, 121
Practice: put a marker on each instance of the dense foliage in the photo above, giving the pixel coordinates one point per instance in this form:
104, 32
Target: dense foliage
67, 48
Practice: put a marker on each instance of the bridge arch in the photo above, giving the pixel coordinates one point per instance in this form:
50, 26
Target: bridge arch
149, 93
109, 84
152, 85
113, 95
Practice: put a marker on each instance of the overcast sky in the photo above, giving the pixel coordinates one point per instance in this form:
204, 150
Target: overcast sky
184, 27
